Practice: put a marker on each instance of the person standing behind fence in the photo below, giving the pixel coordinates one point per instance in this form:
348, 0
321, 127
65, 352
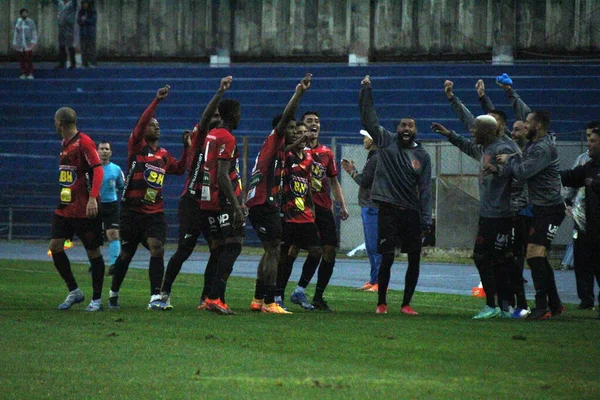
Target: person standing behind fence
539, 165
112, 185
80, 179
402, 188
142, 217
67, 11
87, 18
369, 209
24, 41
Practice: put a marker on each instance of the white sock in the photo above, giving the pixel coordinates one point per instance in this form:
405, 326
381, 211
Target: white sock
278, 299
112, 294
155, 297
299, 289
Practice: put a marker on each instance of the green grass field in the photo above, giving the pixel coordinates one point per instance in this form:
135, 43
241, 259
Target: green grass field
351, 353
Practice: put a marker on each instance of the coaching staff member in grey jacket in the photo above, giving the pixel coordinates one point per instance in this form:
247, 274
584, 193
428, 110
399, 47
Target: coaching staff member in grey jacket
402, 188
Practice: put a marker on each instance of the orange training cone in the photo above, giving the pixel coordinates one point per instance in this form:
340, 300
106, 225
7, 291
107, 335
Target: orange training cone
478, 291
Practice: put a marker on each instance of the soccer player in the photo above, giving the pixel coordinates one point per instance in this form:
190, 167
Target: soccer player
297, 207
77, 211
142, 216
191, 222
324, 176
109, 206
402, 188
263, 202
493, 243
220, 200
539, 166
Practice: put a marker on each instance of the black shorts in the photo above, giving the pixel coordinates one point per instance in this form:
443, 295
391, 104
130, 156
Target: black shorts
191, 222
520, 234
266, 221
545, 224
137, 227
304, 236
326, 225
89, 231
109, 214
494, 237
398, 227
219, 224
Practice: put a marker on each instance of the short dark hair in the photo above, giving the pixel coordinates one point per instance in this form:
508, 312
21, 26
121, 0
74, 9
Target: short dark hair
499, 113
228, 108
105, 142
301, 124
309, 113
593, 124
543, 117
23, 9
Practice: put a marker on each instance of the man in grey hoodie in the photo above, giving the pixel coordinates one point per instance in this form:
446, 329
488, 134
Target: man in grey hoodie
66, 15
402, 189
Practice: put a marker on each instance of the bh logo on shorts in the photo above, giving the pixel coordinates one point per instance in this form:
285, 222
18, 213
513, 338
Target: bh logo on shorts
67, 175
154, 176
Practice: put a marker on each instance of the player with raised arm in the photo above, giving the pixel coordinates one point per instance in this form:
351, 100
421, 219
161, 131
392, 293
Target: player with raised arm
142, 217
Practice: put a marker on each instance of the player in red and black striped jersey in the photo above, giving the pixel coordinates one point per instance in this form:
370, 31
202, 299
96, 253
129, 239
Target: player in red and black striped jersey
142, 217
220, 200
191, 221
80, 178
297, 208
324, 180
263, 202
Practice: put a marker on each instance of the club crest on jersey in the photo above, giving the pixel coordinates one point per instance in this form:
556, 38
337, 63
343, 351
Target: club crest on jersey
416, 164
67, 175
299, 186
154, 176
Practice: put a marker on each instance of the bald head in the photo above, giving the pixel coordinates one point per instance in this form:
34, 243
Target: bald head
485, 129
66, 115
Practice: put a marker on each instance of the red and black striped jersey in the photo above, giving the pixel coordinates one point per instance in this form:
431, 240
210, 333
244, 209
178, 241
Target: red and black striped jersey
193, 183
219, 144
147, 169
296, 180
78, 162
324, 167
265, 180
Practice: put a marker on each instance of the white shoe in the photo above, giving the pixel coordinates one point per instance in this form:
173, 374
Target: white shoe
30, 76
23, 76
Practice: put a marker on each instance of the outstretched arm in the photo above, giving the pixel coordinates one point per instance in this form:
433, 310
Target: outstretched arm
462, 112
368, 116
138, 132
290, 109
212, 106
521, 109
465, 145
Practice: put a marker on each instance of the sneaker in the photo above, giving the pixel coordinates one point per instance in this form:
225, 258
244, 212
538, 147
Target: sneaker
156, 302
23, 76
365, 287
373, 288
280, 304
257, 305
30, 76
559, 310
218, 306
520, 313
274, 308
504, 79
202, 304
95, 305
75, 297
166, 299
488, 312
408, 310
381, 309
506, 313
585, 306
299, 298
321, 304
540, 313
113, 300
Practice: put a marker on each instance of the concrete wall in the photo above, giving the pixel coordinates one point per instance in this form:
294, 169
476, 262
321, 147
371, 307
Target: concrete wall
262, 29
